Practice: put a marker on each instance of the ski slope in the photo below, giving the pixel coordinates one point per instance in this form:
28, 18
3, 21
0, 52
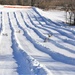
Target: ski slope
22, 47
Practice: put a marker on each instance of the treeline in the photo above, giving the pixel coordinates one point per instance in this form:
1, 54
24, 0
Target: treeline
15, 2
39, 3
53, 3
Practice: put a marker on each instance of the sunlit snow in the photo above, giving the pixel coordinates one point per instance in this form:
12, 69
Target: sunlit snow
27, 49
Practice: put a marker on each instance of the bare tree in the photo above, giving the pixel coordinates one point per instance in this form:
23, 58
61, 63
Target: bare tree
32, 2
70, 10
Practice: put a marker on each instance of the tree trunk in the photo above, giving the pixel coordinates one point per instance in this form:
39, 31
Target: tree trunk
70, 17
19, 2
74, 18
32, 2
66, 16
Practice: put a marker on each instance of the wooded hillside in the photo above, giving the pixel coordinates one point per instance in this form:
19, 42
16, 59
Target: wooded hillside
15, 2
39, 3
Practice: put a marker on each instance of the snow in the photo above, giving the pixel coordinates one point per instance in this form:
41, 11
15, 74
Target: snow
22, 47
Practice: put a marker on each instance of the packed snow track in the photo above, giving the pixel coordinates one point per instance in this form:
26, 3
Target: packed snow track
32, 43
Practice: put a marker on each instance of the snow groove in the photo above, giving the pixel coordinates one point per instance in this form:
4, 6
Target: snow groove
34, 29
22, 47
0, 22
22, 61
54, 55
7, 62
48, 29
32, 66
49, 32
56, 43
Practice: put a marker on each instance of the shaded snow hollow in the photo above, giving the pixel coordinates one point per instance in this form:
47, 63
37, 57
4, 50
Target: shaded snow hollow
22, 47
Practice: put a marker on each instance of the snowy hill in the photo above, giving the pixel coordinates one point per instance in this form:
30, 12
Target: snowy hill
36, 42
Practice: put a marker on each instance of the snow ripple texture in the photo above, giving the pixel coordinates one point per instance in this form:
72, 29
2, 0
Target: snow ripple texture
36, 42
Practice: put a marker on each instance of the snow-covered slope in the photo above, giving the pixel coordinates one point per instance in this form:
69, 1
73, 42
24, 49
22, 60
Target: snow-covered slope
22, 47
